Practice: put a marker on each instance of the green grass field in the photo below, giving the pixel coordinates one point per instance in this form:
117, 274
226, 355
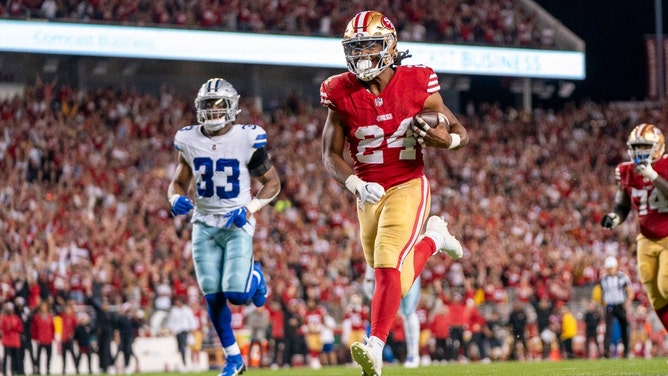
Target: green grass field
626, 367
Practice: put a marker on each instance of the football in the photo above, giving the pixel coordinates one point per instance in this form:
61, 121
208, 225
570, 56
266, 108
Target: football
430, 117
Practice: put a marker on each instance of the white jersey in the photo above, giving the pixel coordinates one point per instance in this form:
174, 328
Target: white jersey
220, 168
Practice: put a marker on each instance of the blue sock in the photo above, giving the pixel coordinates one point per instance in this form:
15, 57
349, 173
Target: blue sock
221, 317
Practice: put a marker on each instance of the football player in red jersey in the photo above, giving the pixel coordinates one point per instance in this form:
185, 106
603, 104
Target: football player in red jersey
643, 187
371, 107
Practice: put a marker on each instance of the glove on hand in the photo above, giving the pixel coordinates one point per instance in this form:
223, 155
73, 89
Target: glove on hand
180, 204
645, 169
236, 216
370, 193
611, 220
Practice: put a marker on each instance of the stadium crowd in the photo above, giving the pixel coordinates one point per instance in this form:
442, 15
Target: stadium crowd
86, 226
485, 22
86, 220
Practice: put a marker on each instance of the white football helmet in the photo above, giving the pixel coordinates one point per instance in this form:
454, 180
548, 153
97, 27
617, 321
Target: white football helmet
370, 44
646, 143
217, 104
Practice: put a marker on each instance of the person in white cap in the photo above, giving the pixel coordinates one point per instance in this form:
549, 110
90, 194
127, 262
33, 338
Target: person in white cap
617, 294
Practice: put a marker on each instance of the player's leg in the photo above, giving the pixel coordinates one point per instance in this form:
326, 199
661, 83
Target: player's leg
412, 324
241, 277
653, 273
208, 262
389, 231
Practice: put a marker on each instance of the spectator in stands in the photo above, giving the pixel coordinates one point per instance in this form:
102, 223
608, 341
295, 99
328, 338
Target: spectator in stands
69, 322
258, 322
181, 321
277, 337
592, 319
440, 332
43, 332
569, 329
544, 308
493, 341
127, 326
481, 210
11, 328
85, 337
294, 339
25, 314
398, 256
198, 334
105, 322
517, 322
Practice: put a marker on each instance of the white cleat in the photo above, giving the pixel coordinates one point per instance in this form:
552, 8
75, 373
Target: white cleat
364, 356
411, 362
437, 230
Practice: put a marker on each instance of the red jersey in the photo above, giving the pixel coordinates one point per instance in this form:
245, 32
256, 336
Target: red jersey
69, 321
358, 318
11, 327
238, 317
382, 145
314, 319
42, 329
648, 202
440, 325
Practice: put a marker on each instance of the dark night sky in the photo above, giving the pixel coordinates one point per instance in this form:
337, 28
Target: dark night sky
614, 32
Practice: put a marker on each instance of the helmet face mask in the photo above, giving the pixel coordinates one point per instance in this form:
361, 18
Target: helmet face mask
217, 104
646, 143
369, 44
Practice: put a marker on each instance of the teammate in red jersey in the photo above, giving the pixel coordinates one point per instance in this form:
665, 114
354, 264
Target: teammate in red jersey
643, 187
371, 107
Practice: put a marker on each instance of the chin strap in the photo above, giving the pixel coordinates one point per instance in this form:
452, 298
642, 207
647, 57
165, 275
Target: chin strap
401, 55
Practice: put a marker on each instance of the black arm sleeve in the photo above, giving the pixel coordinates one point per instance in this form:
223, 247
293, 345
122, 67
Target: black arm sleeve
622, 205
259, 163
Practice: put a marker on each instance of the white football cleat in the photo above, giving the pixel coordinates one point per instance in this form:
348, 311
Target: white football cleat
411, 362
363, 355
437, 230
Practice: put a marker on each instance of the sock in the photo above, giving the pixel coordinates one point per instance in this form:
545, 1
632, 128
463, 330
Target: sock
385, 302
663, 315
232, 350
221, 317
377, 346
421, 253
412, 331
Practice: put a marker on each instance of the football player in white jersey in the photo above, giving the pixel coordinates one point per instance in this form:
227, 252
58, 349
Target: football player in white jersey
220, 158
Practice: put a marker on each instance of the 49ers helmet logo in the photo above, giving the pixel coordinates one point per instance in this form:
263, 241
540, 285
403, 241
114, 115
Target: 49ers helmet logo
387, 23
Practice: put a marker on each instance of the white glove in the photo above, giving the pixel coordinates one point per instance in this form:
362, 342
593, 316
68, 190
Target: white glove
369, 193
645, 169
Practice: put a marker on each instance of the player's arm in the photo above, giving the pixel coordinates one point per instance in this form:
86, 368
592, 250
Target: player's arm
261, 168
619, 212
333, 143
440, 137
178, 187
